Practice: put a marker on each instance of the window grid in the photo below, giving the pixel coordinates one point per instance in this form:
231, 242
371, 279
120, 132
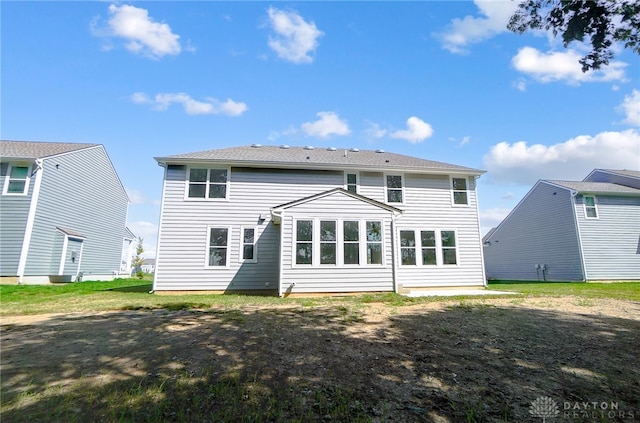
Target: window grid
590, 208
218, 254
249, 251
394, 188
17, 180
208, 183
460, 191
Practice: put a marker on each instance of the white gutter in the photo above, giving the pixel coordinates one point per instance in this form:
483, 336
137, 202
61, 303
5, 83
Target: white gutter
28, 231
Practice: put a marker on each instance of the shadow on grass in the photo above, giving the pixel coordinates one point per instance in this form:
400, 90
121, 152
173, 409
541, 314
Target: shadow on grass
462, 363
133, 288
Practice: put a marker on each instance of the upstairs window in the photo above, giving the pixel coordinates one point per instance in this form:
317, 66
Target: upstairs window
17, 181
459, 186
590, 208
351, 182
208, 183
394, 188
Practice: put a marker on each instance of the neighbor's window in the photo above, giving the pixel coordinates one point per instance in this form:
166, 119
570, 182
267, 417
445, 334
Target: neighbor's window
374, 242
408, 247
18, 180
304, 242
590, 207
218, 247
352, 182
249, 244
328, 242
394, 188
208, 183
448, 239
428, 244
460, 191
351, 241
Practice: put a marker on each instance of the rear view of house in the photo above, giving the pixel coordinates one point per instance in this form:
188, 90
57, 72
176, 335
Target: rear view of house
568, 230
63, 213
290, 220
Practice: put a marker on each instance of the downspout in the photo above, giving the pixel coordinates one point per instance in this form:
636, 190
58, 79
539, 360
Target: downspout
578, 236
277, 216
28, 231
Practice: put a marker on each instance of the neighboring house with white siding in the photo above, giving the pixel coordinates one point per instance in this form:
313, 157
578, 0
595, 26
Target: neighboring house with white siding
571, 231
291, 220
63, 213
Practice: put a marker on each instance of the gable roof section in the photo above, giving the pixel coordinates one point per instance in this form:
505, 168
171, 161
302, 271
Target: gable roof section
309, 157
624, 172
276, 211
38, 150
596, 187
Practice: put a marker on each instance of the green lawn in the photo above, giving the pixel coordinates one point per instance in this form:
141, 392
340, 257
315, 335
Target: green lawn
132, 294
619, 290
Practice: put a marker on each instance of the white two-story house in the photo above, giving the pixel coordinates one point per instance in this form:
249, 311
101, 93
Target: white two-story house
297, 220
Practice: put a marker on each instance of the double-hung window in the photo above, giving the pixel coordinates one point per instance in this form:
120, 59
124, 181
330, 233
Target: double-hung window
351, 241
374, 242
590, 208
249, 251
17, 181
351, 182
304, 242
408, 247
428, 245
394, 188
328, 242
218, 242
448, 239
460, 194
208, 183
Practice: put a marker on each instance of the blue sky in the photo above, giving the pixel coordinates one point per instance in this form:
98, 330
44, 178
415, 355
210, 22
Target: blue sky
438, 80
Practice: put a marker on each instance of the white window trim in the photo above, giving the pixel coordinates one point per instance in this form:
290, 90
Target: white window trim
402, 181
7, 179
315, 242
468, 190
318, 250
346, 184
241, 258
208, 246
595, 207
416, 248
439, 248
206, 194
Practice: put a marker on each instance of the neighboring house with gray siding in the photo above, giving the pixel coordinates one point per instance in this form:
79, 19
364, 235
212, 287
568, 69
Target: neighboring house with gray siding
290, 220
571, 231
63, 212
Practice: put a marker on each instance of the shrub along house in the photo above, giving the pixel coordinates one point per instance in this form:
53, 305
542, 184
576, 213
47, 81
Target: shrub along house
63, 212
585, 230
303, 219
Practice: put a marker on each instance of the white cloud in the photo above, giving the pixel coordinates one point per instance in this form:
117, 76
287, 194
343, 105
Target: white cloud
137, 197
562, 66
148, 232
570, 160
294, 37
328, 124
490, 218
143, 35
374, 130
469, 30
210, 106
631, 108
417, 131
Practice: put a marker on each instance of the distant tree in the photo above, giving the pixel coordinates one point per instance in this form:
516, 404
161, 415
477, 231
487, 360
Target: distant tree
137, 259
600, 22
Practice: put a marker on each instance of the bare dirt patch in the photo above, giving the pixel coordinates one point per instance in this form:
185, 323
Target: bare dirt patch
452, 361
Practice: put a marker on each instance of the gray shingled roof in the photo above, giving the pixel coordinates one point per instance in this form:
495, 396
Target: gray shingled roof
38, 150
597, 187
314, 157
623, 172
